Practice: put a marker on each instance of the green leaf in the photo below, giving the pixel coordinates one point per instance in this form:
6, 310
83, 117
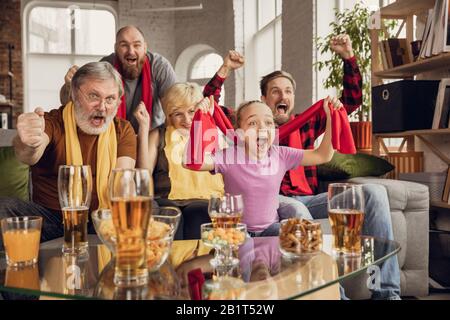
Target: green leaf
354, 23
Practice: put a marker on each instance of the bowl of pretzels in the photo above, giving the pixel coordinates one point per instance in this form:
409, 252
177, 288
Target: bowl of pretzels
300, 237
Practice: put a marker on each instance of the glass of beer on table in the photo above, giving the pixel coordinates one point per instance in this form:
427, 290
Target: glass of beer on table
21, 237
346, 214
131, 203
226, 210
74, 190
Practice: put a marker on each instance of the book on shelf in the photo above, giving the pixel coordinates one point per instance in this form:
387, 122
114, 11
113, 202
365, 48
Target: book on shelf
436, 35
446, 193
442, 108
383, 59
426, 33
395, 52
387, 53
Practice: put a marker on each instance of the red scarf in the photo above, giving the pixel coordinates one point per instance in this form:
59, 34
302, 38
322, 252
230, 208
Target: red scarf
196, 280
297, 175
342, 138
146, 85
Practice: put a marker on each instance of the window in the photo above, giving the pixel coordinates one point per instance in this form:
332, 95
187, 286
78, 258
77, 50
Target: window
268, 37
57, 38
203, 68
206, 66
262, 37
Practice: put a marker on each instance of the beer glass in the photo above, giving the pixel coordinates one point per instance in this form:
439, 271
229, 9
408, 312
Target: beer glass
74, 191
226, 211
131, 201
346, 214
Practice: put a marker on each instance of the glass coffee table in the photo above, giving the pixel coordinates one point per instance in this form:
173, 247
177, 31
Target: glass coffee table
265, 272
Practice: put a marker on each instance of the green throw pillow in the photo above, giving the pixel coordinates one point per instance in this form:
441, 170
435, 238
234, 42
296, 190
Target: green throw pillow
346, 166
13, 175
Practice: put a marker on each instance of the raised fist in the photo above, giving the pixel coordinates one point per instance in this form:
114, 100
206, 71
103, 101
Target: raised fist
342, 45
30, 128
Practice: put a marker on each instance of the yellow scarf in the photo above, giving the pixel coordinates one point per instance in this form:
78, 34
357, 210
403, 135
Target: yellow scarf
184, 250
106, 152
184, 183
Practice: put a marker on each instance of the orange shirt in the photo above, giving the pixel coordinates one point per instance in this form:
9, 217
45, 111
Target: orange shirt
45, 172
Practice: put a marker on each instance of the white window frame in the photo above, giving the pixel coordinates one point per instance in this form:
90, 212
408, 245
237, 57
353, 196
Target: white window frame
25, 38
203, 81
252, 29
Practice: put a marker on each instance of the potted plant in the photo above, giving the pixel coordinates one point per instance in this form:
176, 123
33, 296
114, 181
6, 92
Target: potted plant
353, 22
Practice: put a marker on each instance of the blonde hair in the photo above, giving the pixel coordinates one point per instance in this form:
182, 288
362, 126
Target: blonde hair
241, 108
180, 95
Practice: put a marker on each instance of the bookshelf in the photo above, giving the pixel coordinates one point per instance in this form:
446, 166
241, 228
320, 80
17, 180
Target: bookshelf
414, 133
411, 69
440, 204
7, 106
405, 10
406, 155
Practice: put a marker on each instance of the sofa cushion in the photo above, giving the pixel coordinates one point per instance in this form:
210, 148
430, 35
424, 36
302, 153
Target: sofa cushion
345, 166
14, 181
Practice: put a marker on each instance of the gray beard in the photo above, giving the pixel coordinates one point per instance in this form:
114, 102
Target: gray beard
82, 121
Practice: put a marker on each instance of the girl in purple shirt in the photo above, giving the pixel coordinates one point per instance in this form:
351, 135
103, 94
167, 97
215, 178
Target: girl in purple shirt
255, 166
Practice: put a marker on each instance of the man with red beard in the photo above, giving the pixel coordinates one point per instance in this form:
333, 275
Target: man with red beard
146, 76
84, 131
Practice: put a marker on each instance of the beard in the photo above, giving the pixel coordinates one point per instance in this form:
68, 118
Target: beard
281, 113
131, 72
83, 120
281, 119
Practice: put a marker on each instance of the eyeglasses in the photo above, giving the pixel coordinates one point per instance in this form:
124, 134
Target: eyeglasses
94, 98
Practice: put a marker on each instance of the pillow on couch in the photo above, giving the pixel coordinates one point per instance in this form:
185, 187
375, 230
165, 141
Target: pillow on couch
14, 175
346, 166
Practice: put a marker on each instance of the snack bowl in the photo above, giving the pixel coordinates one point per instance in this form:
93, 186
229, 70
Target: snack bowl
160, 234
299, 237
222, 237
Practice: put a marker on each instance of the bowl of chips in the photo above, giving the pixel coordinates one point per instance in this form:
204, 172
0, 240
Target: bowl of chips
103, 224
161, 231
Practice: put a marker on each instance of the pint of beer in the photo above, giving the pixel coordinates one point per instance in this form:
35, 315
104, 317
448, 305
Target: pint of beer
74, 191
131, 202
346, 214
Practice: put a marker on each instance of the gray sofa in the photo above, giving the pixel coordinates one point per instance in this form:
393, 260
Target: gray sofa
409, 203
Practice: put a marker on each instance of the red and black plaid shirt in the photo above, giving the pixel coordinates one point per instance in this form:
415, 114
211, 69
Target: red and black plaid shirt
351, 99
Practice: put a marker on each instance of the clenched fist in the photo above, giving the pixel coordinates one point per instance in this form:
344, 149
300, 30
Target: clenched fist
142, 117
30, 128
342, 45
206, 105
233, 60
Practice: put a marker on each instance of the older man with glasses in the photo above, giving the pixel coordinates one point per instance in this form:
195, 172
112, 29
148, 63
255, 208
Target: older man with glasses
46, 140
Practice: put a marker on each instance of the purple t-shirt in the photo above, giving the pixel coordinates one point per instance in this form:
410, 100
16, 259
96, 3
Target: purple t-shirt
257, 181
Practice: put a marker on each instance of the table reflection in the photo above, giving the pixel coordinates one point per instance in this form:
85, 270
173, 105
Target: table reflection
163, 284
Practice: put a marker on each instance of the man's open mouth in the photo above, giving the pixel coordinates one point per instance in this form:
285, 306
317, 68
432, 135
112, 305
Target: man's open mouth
282, 108
98, 120
130, 60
